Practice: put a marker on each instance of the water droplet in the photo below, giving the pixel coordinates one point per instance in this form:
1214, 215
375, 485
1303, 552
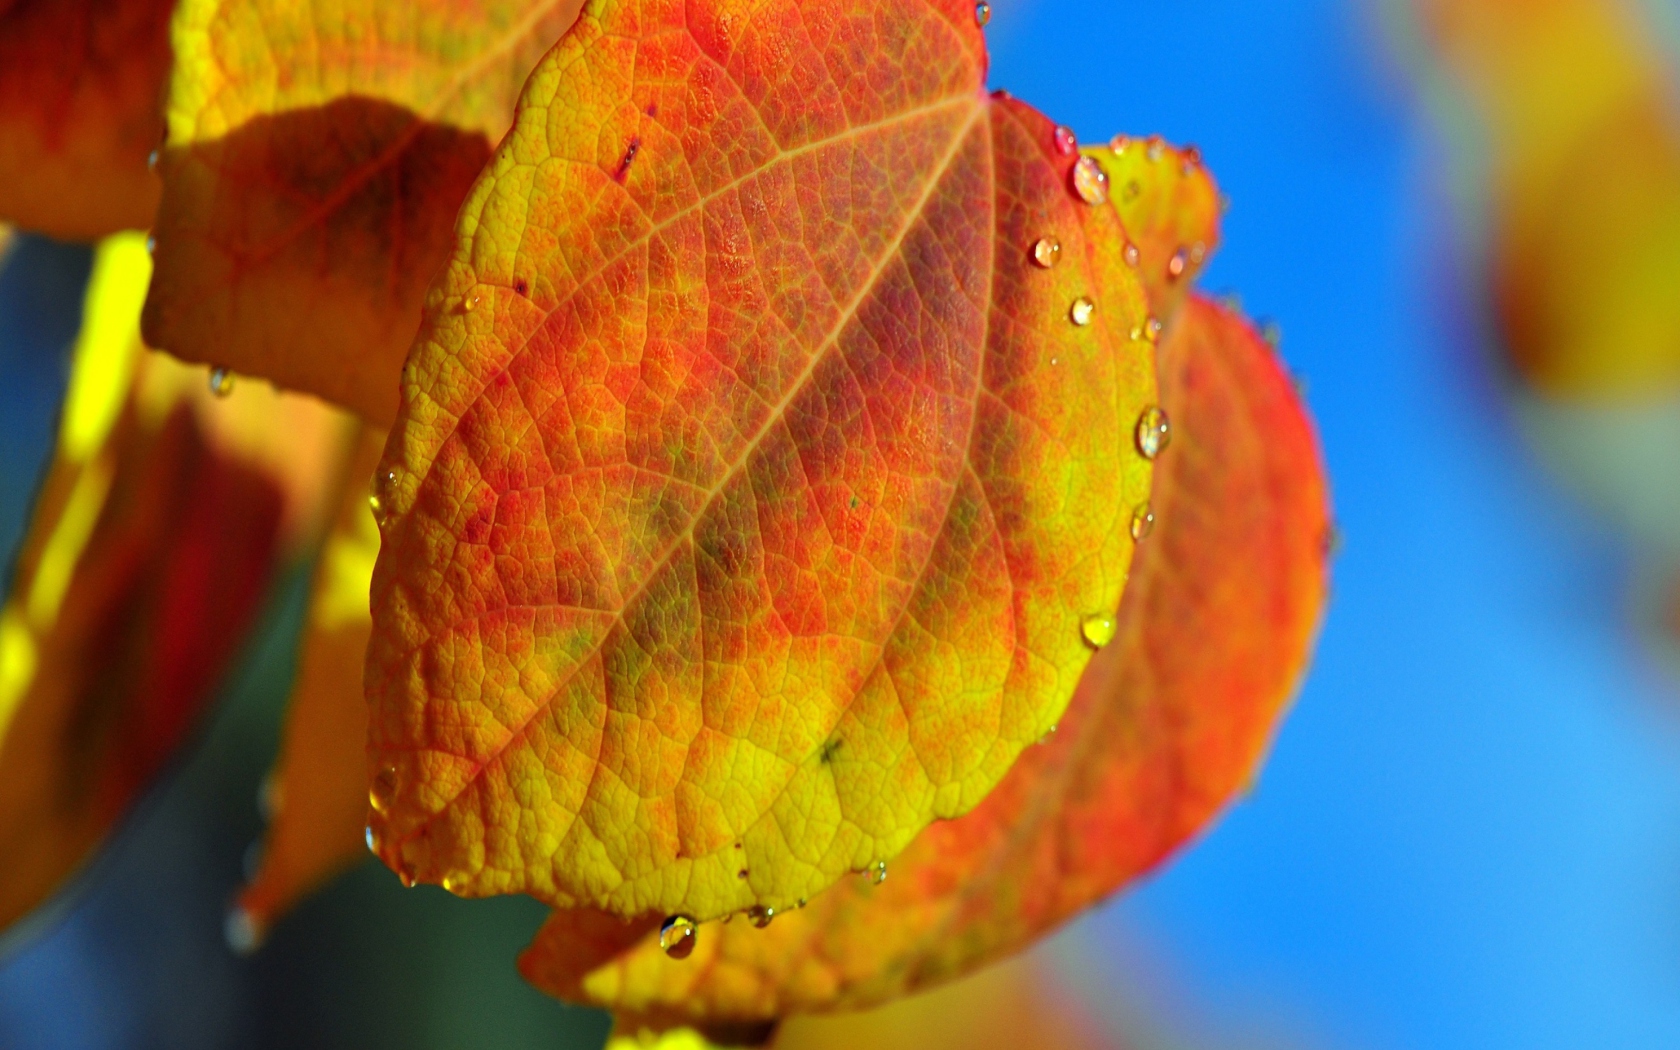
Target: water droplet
676, 936
1272, 333
383, 788
1131, 254
221, 382
1090, 181
1099, 630
452, 883
379, 497
405, 877
1155, 148
371, 839
1066, 144
242, 931
1154, 432
1143, 522
1198, 252
878, 873
469, 303
1153, 329
1082, 310
1117, 145
1046, 252
982, 13
152, 160
151, 244
1177, 264
1049, 735
760, 916
1192, 157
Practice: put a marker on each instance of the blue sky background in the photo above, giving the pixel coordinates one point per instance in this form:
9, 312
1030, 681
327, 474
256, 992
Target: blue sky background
1468, 836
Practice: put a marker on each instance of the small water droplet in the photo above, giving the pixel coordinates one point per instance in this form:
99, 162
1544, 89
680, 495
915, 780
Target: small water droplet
452, 884
379, 496
1272, 333
878, 873
151, 244
1192, 157
1131, 254
982, 13
1066, 144
1099, 630
1049, 735
1155, 148
371, 839
1143, 522
760, 916
1177, 264
1046, 251
676, 936
1090, 181
1198, 252
406, 877
383, 788
469, 303
1117, 145
152, 160
221, 382
242, 931
1153, 330
1154, 432
1082, 310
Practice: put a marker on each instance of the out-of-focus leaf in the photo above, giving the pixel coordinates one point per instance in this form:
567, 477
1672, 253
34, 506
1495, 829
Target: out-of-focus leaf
1170, 206
1170, 721
1582, 143
752, 482
80, 109
316, 160
319, 797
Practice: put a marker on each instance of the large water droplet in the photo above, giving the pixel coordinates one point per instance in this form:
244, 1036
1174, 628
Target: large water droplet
383, 789
379, 496
1099, 630
982, 13
1154, 432
1090, 181
1143, 522
221, 382
760, 916
1046, 251
242, 931
877, 873
1082, 310
676, 936
1066, 144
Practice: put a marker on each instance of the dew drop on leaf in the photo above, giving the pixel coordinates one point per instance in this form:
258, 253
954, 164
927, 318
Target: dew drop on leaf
760, 916
676, 936
152, 160
982, 13
1046, 251
1090, 181
878, 873
1066, 143
1098, 630
1117, 145
1131, 254
1176, 265
1082, 311
1154, 432
383, 788
372, 842
1143, 522
469, 303
221, 382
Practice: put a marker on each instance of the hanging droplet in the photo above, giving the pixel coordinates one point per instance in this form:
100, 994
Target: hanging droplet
405, 877
371, 839
1117, 145
469, 303
1099, 630
383, 788
242, 931
1155, 148
152, 160
1154, 432
1143, 522
760, 916
877, 873
1049, 735
221, 382
1153, 329
379, 496
1090, 181
1131, 254
676, 936
982, 13
452, 884
1066, 144
1082, 310
151, 244
1177, 264
1046, 251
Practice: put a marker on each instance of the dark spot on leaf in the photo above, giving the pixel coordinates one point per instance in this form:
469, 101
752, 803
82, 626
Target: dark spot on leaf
520, 286
623, 171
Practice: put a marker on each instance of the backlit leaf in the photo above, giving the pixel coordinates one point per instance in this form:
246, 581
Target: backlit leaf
1169, 723
319, 794
80, 88
317, 156
752, 482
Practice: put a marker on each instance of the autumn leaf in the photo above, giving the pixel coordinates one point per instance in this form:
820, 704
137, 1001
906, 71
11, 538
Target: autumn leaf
316, 160
319, 797
1581, 135
80, 83
1170, 722
754, 476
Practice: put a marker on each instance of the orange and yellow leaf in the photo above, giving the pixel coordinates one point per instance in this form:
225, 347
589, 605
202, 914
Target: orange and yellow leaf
753, 485
1170, 722
317, 156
